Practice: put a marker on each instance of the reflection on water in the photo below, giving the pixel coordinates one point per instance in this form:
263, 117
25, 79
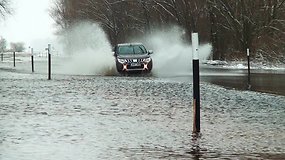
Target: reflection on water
196, 151
268, 81
261, 80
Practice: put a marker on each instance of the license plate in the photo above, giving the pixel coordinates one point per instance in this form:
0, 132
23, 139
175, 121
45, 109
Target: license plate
135, 64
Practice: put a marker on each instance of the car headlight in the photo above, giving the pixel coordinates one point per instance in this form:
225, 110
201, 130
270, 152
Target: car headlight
147, 60
122, 61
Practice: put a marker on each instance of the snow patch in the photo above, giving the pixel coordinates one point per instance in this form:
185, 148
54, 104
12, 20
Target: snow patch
243, 65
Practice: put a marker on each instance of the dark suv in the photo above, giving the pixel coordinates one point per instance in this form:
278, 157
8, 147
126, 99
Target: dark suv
132, 57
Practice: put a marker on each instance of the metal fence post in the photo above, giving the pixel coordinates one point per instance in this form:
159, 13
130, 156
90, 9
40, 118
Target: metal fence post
248, 70
14, 58
49, 62
32, 59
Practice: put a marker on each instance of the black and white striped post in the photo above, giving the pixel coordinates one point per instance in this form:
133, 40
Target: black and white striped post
49, 62
14, 58
196, 83
248, 70
32, 59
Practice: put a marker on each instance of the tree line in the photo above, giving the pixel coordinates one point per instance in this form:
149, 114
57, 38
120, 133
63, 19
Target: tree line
14, 46
230, 26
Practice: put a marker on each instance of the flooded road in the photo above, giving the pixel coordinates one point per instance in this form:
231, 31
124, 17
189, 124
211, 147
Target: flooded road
110, 117
266, 81
135, 117
269, 81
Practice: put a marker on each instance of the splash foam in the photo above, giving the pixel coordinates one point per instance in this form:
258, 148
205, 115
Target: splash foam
172, 55
88, 49
90, 52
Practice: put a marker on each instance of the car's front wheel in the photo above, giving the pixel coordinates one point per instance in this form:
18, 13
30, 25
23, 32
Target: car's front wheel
119, 67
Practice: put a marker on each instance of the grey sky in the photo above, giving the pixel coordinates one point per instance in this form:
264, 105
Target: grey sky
29, 23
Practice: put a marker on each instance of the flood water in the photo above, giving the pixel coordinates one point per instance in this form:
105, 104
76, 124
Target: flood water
260, 80
135, 117
267, 81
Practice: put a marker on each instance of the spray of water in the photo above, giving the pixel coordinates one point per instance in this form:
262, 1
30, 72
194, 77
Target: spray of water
91, 54
88, 49
172, 55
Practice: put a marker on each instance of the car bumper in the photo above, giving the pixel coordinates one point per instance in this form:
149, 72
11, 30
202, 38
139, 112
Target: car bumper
128, 67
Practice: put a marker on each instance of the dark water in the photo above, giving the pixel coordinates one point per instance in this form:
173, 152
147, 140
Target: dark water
267, 81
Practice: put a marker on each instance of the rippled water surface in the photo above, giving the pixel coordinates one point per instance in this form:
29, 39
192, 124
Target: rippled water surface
111, 117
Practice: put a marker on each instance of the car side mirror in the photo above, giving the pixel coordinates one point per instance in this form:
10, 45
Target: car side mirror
114, 54
150, 51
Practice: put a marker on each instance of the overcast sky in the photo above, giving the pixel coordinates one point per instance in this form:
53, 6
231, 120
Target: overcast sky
30, 22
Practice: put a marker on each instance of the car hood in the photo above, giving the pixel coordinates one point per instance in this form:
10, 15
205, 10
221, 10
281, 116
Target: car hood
133, 56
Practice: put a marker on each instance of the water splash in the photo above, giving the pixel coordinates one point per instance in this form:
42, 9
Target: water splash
88, 49
172, 54
91, 54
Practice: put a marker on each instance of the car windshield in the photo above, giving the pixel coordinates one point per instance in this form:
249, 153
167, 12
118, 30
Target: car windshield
132, 49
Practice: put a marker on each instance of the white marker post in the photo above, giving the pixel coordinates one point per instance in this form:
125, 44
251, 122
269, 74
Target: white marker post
49, 62
248, 70
196, 83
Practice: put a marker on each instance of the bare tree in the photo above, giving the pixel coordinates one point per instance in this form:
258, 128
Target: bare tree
3, 44
17, 46
185, 13
4, 7
230, 25
246, 21
59, 13
103, 12
121, 17
65, 12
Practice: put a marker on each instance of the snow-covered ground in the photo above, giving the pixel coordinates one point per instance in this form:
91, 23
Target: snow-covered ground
244, 65
118, 117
